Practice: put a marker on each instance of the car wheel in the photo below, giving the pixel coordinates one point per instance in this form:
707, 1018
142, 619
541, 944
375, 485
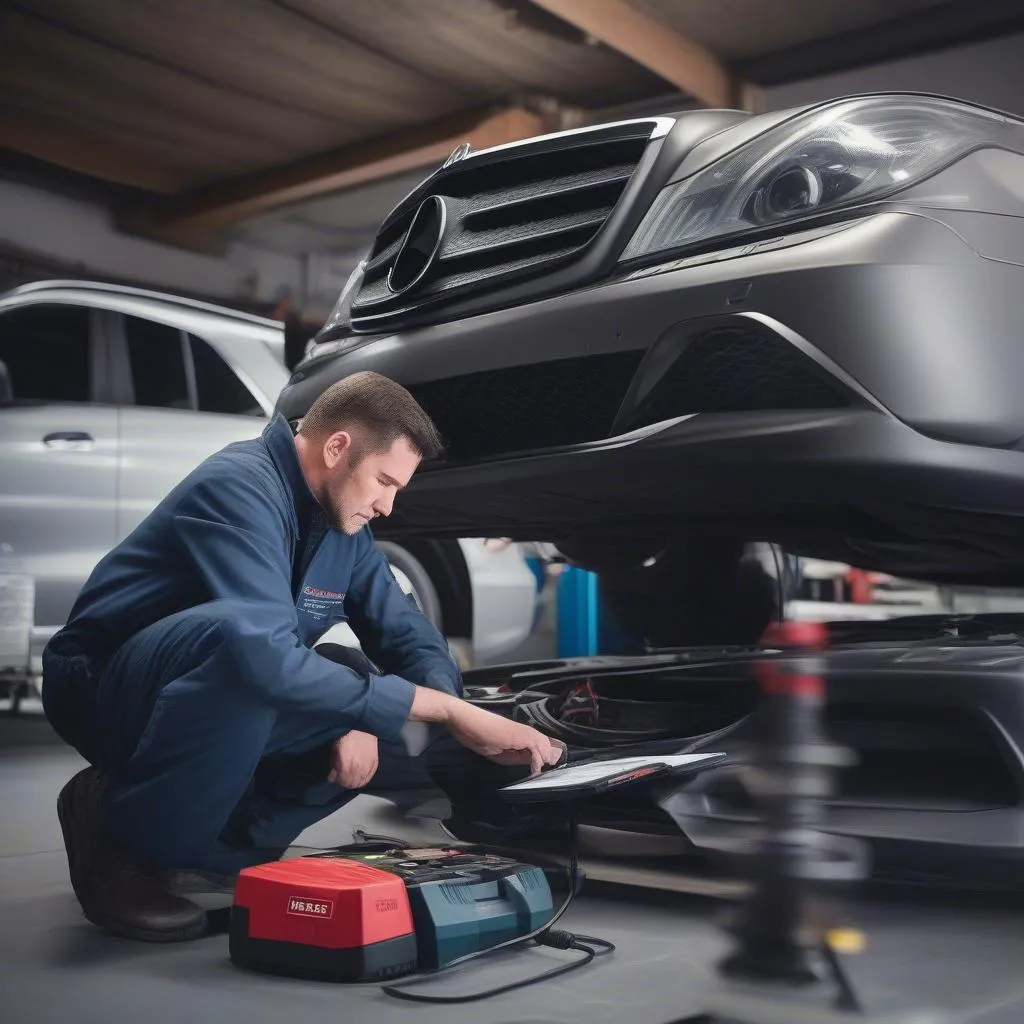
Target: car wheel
414, 580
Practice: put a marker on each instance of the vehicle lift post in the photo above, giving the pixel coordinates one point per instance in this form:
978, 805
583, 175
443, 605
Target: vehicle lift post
786, 938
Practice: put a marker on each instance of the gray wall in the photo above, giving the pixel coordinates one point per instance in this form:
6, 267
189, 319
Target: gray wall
990, 73
44, 224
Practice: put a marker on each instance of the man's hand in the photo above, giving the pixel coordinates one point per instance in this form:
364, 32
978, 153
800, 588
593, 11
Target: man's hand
486, 733
501, 740
353, 760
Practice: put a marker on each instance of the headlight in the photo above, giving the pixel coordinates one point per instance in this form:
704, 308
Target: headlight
846, 153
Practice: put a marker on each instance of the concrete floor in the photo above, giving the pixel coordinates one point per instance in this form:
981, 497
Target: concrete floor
962, 957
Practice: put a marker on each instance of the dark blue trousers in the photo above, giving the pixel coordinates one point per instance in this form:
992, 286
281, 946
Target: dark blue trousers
205, 774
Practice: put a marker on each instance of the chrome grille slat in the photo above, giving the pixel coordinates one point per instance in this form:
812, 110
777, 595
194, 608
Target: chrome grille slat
482, 273
459, 278
494, 240
549, 189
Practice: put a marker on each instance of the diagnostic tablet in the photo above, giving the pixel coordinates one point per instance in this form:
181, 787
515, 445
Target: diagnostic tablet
592, 777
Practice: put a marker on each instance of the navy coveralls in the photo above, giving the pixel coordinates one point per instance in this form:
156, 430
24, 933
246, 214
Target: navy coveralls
187, 670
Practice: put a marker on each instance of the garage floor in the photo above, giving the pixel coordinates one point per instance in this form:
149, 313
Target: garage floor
961, 956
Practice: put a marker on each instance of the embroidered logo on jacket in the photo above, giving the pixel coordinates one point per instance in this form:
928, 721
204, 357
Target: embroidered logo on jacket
326, 595
319, 604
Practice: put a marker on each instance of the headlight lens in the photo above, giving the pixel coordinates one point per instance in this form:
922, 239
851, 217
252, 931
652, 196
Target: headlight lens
847, 153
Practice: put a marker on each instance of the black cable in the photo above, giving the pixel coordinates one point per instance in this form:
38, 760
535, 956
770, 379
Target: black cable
400, 993
362, 836
593, 940
781, 614
545, 935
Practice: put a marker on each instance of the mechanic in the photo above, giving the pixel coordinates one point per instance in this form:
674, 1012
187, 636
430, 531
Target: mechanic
187, 677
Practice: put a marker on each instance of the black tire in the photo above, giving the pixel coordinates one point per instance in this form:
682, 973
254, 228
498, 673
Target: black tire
424, 591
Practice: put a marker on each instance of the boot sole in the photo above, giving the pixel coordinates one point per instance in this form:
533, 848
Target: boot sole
164, 936
65, 815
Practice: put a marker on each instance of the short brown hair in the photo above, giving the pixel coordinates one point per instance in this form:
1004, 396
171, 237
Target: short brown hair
383, 408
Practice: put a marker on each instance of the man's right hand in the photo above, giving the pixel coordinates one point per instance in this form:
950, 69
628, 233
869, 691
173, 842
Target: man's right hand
503, 741
490, 735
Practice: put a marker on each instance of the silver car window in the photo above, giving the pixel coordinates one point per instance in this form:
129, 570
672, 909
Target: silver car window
174, 370
157, 357
46, 352
218, 389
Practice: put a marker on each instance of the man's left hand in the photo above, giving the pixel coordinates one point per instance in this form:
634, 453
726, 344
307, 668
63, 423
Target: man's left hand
353, 760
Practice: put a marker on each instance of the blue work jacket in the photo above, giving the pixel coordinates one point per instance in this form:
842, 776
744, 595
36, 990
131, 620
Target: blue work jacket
243, 526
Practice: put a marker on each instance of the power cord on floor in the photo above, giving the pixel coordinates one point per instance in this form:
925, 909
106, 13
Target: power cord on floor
545, 935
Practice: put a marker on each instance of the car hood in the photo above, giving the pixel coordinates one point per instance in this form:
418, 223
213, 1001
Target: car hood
914, 671
848, 639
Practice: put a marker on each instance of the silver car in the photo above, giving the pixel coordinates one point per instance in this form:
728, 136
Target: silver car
108, 397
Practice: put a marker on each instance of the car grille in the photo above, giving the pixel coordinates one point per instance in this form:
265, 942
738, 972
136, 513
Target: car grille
739, 369
543, 405
511, 213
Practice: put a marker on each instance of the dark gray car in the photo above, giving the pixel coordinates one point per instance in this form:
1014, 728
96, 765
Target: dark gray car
654, 341
802, 326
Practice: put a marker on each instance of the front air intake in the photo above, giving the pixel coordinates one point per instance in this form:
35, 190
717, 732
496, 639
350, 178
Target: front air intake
738, 369
542, 405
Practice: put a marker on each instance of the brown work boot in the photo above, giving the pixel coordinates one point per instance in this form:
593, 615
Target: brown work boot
116, 891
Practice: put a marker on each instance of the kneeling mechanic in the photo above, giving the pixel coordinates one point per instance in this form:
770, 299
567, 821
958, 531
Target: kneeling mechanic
188, 678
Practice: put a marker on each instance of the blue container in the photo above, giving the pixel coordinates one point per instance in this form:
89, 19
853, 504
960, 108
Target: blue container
453, 919
579, 612
586, 625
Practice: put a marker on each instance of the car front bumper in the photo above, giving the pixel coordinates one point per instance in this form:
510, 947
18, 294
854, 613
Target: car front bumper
913, 331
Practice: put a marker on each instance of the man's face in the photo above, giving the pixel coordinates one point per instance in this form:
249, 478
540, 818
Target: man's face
357, 492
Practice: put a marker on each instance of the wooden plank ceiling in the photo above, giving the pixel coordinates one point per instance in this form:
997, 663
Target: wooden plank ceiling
215, 112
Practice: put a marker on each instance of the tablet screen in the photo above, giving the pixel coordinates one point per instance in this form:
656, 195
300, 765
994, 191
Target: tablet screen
584, 776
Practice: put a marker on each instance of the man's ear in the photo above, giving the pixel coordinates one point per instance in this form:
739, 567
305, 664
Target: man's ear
337, 447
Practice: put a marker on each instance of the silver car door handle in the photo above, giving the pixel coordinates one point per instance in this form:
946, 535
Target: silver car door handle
69, 441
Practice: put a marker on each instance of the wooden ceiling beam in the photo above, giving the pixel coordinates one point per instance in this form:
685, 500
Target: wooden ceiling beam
65, 144
187, 218
662, 50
